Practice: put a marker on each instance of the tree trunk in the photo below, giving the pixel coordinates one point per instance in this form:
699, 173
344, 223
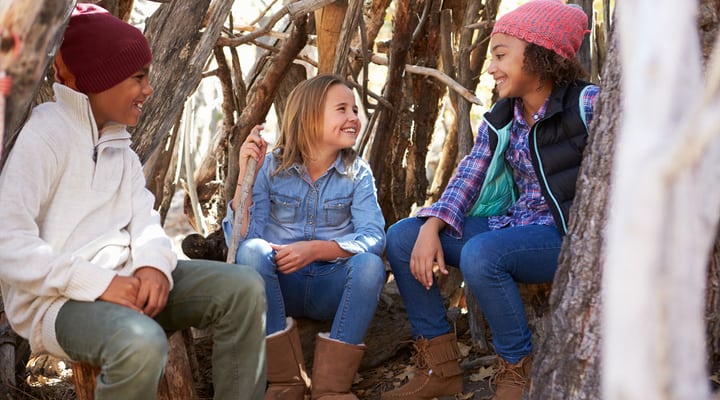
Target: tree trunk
708, 28
382, 148
39, 26
567, 362
427, 95
182, 37
712, 311
664, 219
328, 24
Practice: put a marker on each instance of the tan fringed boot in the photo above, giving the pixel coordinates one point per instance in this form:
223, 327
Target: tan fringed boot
286, 374
511, 380
334, 368
437, 371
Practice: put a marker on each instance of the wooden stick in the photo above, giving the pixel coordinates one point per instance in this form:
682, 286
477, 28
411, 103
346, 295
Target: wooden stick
245, 185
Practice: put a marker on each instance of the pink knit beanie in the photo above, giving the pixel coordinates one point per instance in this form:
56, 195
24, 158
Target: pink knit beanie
99, 50
551, 24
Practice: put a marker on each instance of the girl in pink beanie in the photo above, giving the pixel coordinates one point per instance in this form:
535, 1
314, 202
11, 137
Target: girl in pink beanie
502, 217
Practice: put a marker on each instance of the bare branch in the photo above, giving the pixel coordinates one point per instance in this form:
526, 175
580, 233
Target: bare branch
295, 10
236, 41
451, 83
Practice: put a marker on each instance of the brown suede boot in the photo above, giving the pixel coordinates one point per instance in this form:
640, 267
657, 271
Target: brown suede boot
511, 381
437, 371
286, 375
334, 368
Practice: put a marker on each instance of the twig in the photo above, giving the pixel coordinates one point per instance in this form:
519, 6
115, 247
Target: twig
236, 41
262, 15
372, 94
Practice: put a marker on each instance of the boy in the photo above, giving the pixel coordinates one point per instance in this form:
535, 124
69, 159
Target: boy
86, 270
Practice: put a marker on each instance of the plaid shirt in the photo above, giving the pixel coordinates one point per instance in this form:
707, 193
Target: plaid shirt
464, 188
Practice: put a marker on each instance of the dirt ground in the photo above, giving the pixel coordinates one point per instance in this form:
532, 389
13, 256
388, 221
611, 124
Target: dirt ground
51, 379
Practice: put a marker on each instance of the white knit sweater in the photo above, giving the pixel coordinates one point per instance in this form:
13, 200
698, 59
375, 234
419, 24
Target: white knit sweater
74, 212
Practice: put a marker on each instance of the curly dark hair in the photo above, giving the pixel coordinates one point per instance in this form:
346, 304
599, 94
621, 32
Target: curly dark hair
551, 67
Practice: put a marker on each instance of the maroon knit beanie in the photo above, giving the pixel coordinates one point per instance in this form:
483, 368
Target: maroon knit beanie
551, 24
99, 50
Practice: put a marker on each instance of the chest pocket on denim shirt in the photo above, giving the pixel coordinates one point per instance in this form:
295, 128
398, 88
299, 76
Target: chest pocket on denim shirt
284, 209
337, 211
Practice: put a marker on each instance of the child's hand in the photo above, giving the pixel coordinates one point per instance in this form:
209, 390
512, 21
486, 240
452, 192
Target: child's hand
254, 147
426, 252
293, 257
153, 292
123, 290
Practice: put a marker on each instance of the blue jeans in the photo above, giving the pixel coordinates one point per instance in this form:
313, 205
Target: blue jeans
345, 291
131, 348
491, 262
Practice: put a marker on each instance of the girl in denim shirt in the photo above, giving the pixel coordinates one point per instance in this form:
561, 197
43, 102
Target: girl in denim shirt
314, 231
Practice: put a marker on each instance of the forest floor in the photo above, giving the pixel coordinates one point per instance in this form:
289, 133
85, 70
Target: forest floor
51, 380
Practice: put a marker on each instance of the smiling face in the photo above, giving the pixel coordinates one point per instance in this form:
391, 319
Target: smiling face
506, 67
341, 124
123, 102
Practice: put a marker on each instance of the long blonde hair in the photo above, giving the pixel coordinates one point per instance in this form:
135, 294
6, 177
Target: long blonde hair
302, 122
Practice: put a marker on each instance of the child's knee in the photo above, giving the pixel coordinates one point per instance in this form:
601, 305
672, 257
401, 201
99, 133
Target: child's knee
256, 253
478, 258
398, 231
368, 271
239, 287
140, 347
401, 236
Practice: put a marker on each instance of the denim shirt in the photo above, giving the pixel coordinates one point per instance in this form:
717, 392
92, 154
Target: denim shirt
289, 207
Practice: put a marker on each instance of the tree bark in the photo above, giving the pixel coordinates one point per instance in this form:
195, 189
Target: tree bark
567, 363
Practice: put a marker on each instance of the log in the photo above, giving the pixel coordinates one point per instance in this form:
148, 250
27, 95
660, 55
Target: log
176, 383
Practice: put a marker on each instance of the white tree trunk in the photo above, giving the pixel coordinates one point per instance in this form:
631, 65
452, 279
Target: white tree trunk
664, 208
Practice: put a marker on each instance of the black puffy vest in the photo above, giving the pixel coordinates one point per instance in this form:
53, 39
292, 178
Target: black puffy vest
557, 142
